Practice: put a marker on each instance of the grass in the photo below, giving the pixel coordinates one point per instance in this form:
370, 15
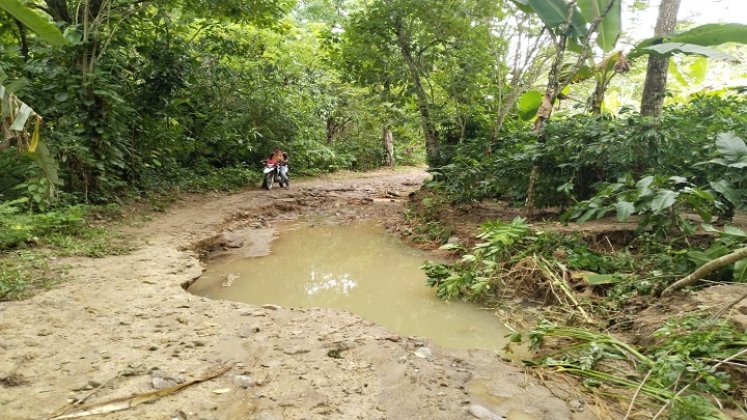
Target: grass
30, 242
22, 273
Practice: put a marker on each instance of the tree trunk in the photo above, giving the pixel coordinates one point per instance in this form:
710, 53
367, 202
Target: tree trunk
655, 86
431, 136
330, 130
58, 10
23, 40
388, 147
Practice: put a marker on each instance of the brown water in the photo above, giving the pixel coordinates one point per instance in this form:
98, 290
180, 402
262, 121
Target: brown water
359, 268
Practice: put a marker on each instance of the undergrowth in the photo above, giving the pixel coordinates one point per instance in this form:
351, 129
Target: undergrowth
694, 368
30, 241
690, 372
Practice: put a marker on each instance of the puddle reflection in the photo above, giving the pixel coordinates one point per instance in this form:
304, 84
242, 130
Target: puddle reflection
330, 282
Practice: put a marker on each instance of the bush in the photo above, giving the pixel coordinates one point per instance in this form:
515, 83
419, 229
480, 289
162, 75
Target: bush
581, 152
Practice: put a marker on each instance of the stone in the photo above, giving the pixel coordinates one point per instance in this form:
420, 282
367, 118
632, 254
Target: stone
266, 415
576, 406
453, 240
243, 381
424, 353
161, 383
483, 413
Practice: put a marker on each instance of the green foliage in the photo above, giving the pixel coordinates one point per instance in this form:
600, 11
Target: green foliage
662, 202
18, 227
529, 103
583, 155
610, 26
472, 276
42, 26
688, 356
22, 272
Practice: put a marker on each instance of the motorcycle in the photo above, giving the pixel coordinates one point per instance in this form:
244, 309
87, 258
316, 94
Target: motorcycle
272, 174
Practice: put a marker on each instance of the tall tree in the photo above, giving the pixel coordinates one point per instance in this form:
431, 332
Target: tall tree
656, 74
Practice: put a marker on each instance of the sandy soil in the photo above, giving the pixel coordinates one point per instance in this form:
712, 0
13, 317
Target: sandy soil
125, 325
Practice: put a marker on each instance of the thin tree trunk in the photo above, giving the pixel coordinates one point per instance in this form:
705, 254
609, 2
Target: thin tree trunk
23, 40
58, 10
330, 130
705, 270
655, 86
431, 136
554, 87
388, 146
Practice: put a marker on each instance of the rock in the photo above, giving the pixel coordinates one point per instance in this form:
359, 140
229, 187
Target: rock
295, 351
179, 415
576, 406
228, 280
272, 307
243, 381
483, 413
266, 415
453, 240
272, 364
161, 383
393, 193
424, 353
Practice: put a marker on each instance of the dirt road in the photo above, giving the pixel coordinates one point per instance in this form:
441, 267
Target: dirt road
125, 325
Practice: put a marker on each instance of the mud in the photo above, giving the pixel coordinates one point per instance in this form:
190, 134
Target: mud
124, 325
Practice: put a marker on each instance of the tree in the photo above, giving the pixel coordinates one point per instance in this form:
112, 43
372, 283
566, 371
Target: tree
572, 27
654, 87
432, 55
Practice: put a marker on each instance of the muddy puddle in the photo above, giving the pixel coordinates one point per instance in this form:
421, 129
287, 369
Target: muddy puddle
359, 268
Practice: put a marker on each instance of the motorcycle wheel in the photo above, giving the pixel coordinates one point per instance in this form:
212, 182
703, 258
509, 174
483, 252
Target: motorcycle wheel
269, 180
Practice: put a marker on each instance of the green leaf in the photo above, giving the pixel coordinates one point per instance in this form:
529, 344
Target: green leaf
529, 103
643, 185
664, 200
698, 70
707, 35
735, 231
583, 73
731, 148
740, 271
554, 12
674, 70
523, 5
43, 27
599, 279
668, 48
624, 209
712, 34
611, 25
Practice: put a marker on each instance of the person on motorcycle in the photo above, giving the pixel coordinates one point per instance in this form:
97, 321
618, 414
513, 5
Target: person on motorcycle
282, 159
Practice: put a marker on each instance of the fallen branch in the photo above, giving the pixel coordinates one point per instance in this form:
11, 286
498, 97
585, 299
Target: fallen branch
120, 404
705, 270
729, 306
562, 285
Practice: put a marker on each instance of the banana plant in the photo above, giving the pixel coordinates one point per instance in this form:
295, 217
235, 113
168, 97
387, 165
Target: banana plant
16, 120
697, 41
17, 117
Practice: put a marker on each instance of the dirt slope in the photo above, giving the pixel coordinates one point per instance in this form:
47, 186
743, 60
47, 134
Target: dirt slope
124, 325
